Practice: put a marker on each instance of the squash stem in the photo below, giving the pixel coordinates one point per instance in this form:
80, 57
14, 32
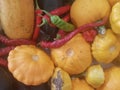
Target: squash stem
101, 30
81, 75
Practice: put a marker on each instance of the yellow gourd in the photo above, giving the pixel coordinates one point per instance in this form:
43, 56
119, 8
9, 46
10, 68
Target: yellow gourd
74, 57
87, 11
80, 84
61, 80
95, 76
105, 47
30, 65
115, 18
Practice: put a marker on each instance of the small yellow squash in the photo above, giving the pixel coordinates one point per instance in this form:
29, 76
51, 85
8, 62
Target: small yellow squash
105, 47
115, 18
87, 11
30, 65
61, 80
95, 76
74, 57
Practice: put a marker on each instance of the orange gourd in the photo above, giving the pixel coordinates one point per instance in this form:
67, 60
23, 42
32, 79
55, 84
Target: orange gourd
73, 57
87, 11
30, 65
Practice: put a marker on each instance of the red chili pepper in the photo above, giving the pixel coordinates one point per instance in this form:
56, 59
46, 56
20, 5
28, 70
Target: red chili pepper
37, 28
58, 11
66, 17
4, 51
3, 62
89, 35
38, 20
58, 43
15, 42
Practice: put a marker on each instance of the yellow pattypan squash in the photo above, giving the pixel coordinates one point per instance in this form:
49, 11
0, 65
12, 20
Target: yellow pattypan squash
115, 18
61, 80
105, 47
95, 76
74, 57
87, 11
30, 65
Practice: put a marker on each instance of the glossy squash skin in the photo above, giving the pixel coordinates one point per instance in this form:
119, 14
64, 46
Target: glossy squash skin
30, 65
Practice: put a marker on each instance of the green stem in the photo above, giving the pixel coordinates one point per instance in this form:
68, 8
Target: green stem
37, 6
44, 21
47, 13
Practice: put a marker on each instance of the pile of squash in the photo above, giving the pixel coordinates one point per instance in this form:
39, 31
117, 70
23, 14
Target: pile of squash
77, 65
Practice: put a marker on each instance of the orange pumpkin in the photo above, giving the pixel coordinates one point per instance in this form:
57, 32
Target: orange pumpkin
73, 57
30, 65
87, 11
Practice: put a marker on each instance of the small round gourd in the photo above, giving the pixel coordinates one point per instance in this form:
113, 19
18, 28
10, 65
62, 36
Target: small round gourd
30, 65
74, 57
87, 11
105, 47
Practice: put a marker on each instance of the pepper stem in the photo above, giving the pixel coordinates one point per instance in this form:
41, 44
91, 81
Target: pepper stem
37, 6
44, 21
47, 13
